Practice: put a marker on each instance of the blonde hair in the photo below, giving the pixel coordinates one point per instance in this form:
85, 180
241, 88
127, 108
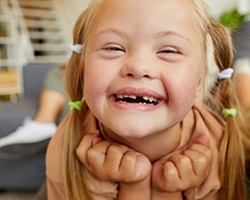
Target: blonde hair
245, 127
232, 161
73, 173
236, 138
232, 156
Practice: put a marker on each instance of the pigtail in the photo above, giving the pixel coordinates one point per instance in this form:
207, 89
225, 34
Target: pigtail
245, 127
73, 171
232, 166
73, 174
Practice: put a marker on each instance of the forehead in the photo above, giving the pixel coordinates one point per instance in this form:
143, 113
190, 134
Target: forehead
148, 15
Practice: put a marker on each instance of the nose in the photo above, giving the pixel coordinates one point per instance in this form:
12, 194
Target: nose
137, 68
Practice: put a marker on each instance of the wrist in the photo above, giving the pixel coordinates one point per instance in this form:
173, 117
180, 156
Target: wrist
135, 191
161, 195
140, 185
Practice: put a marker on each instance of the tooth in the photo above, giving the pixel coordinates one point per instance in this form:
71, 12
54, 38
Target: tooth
132, 97
151, 99
146, 98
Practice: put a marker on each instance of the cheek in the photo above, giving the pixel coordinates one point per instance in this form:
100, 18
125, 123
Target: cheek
183, 91
96, 81
99, 74
92, 93
91, 82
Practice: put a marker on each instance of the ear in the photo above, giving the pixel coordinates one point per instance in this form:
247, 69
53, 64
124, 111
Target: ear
208, 73
200, 85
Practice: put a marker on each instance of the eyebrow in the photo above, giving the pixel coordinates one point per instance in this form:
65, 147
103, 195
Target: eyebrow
160, 34
112, 30
174, 34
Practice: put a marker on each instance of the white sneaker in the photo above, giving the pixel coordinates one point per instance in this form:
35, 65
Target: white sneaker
29, 132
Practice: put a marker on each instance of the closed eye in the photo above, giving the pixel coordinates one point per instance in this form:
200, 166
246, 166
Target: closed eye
169, 54
169, 50
113, 48
112, 51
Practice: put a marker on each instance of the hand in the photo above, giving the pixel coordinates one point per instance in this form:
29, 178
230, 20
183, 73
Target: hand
184, 170
111, 161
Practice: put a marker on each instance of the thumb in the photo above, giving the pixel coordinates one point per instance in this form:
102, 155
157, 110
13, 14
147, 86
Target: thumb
203, 140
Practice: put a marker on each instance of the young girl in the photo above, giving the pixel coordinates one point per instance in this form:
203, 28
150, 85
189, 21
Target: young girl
142, 132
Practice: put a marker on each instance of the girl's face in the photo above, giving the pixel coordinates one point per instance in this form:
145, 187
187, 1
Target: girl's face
142, 65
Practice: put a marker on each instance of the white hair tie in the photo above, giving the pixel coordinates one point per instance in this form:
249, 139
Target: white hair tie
77, 48
227, 73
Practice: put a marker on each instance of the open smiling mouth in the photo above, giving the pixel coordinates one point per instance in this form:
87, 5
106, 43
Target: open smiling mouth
145, 100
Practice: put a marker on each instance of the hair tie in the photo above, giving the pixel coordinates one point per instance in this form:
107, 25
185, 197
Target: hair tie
75, 105
229, 112
227, 73
77, 48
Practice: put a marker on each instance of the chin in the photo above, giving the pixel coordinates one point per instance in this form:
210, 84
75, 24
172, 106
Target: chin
134, 131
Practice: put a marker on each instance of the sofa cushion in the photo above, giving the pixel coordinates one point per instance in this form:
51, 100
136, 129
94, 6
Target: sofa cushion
33, 77
13, 114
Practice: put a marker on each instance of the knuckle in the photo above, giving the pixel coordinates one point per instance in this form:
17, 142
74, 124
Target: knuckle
116, 148
183, 161
130, 157
78, 152
113, 148
209, 154
134, 168
92, 153
202, 160
168, 172
169, 180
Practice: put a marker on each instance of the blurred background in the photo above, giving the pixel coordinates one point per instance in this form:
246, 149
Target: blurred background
33, 31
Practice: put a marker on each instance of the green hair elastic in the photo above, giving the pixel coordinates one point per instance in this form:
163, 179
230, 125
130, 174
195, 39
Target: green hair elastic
229, 112
77, 105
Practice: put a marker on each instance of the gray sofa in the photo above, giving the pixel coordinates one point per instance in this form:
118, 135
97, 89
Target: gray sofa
241, 41
27, 173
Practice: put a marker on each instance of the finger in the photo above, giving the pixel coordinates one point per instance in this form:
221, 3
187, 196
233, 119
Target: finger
204, 150
96, 140
201, 162
135, 167
85, 145
186, 177
165, 176
115, 153
96, 155
113, 160
192, 166
201, 139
